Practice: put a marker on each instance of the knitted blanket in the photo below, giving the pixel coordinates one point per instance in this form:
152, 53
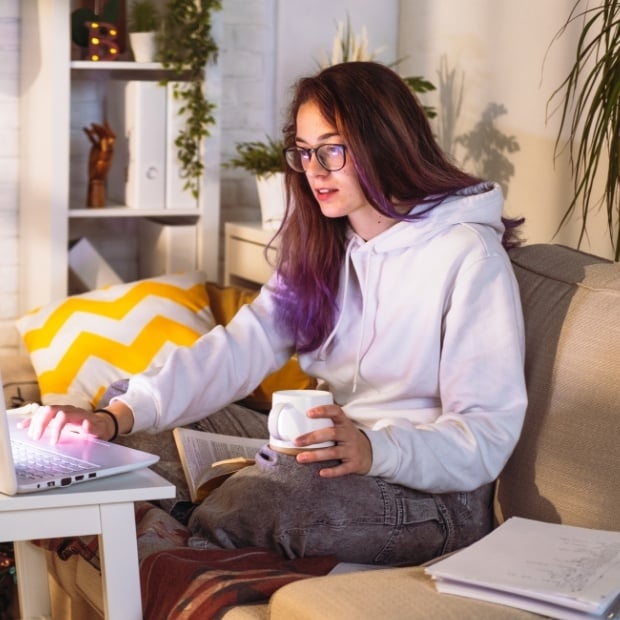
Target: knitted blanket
182, 582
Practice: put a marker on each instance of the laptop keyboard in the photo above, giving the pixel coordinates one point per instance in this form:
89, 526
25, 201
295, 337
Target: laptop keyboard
32, 464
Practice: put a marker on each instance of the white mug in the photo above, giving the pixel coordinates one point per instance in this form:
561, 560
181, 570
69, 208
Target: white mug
288, 419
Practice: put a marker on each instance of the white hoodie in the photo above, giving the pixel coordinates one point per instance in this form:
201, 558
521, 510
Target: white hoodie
426, 355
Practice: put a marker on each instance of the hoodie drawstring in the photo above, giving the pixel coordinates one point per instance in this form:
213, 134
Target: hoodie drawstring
358, 357
332, 335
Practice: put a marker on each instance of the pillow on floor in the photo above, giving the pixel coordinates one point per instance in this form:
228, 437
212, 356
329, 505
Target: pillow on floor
82, 344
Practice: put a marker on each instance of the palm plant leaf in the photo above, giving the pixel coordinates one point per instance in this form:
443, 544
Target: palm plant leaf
590, 112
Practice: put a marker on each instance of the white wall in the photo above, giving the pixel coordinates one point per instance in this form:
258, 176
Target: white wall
9, 38
503, 47
306, 30
267, 45
247, 52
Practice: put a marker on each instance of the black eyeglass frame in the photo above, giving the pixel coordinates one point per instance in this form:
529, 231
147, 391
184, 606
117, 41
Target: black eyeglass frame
317, 153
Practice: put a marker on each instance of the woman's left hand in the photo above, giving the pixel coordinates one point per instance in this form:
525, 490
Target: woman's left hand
352, 447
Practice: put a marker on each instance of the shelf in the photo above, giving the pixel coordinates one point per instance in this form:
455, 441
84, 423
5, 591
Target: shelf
106, 65
123, 69
60, 96
108, 212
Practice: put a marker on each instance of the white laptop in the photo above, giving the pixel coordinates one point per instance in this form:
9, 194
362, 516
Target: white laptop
75, 458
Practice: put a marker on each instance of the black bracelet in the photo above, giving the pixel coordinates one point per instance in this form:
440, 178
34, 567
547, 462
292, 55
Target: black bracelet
114, 419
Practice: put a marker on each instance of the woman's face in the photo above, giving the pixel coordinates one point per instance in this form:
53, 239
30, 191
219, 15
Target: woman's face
338, 193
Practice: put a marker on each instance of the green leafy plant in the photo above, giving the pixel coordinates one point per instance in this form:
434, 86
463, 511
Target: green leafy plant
143, 16
186, 47
590, 106
419, 85
259, 158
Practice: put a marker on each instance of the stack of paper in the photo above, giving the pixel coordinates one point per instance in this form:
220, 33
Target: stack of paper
557, 570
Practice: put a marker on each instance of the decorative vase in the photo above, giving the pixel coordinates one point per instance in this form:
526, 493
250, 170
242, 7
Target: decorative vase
272, 198
143, 46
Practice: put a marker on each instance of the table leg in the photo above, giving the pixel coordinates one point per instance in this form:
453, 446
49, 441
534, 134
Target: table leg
32, 580
119, 562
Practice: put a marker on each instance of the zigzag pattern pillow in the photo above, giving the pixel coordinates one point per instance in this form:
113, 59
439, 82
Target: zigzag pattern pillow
82, 344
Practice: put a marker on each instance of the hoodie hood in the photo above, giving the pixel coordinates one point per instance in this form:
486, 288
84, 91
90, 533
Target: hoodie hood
479, 204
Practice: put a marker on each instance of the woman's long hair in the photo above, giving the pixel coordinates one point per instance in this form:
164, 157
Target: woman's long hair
397, 160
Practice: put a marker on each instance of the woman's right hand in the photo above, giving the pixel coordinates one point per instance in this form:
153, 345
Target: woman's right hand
50, 420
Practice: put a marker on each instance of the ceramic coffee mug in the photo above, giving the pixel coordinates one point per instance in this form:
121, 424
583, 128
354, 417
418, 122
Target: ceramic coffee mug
288, 419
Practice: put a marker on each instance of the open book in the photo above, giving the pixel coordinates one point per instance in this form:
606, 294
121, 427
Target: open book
556, 570
209, 458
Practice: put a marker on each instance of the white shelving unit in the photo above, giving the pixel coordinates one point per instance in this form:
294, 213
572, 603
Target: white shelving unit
54, 149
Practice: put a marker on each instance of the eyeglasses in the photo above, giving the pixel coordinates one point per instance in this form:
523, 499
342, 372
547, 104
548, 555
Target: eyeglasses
330, 156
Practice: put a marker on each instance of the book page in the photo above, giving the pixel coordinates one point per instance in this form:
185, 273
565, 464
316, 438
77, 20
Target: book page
198, 450
578, 568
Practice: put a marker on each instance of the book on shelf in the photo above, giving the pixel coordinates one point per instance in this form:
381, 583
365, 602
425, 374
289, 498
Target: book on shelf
559, 571
209, 458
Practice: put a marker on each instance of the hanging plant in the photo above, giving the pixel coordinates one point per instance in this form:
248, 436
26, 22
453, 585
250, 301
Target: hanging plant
590, 104
186, 48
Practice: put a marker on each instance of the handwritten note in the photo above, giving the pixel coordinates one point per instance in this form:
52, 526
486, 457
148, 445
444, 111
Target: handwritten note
577, 568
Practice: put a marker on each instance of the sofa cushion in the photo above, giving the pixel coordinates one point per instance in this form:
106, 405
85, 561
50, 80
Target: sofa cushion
82, 344
394, 593
565, 466
56, 339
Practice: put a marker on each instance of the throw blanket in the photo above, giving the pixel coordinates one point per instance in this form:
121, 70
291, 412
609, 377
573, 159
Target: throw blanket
195, 584
198, 583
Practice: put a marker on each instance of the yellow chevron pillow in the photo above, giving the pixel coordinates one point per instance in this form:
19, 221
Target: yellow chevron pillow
82, 344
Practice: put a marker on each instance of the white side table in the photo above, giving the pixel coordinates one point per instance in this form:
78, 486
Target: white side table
244, 254
103, 507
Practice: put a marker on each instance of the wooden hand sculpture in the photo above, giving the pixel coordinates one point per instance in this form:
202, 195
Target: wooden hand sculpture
102, 139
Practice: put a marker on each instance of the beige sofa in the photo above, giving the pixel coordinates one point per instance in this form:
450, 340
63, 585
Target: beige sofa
565, 468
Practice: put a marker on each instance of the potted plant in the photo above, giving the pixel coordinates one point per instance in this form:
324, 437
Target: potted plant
143, 21
186, 47
590, 104
348, 46
264, 159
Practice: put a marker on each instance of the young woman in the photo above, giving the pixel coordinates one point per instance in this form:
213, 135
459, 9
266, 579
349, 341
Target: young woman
394, 288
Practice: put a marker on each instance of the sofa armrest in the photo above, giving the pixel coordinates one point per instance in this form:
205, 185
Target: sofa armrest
19, 380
